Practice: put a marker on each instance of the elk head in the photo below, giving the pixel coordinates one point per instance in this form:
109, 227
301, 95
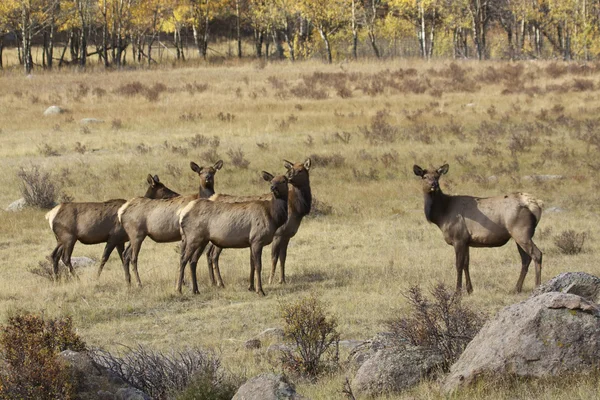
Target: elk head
279, 184
431, 179
157, 190
297, 173
207, 174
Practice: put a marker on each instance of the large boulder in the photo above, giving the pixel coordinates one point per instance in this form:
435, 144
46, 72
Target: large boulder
368, 348
579, 283
97, 382
267, 387
547, 335
397, 368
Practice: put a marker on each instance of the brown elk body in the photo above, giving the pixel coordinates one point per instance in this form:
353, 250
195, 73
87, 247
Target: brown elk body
468, 221
299, 204
159, 219
94, 223
233, 225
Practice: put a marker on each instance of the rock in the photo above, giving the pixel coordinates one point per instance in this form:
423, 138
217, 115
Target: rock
89, 121
53, 110
267, 387
543, 178
492, 180
394, 369
82, 262
252, 344
350, 344
17, 205
579, 283
271, 334
97, 382
546, 335
554, 210
367, 349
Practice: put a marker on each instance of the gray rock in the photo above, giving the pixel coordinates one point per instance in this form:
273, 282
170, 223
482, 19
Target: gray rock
53, 110
252, 344
267, 387
394, 369
493, 179
82, 262
367, 349
554, 210
350, 344
131, 394
17, 205
547, 335
543, 178
89, 121
579, 283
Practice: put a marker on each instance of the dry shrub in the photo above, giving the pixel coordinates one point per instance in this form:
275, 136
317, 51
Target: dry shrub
38, 188
308, 88
583, 85
334, 160
200, 140
210, 155
521, 142
47, 151
164, 376
237, 158
99, 92
190, 116
116, 124
80, 148
367, 175
570, 242
390, 159
380, 131
442, 323
131, 89
175, 149
195, 87
556, 70
29, 346
143, 148
319, 208
314, 336
225, 117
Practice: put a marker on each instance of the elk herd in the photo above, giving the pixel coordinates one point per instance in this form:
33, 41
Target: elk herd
196, 221
213, 221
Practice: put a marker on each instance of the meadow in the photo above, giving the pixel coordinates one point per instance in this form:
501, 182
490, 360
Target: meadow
502, 127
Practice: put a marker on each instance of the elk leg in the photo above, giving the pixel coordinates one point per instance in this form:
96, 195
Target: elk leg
459, 249
215, 261
66, 256
257, 256
282, 257
466, 270
275, 251
193, 263
209, 261
525, 261
108, 249
56, 256
252, 266
120, 250
533, 252
136, 245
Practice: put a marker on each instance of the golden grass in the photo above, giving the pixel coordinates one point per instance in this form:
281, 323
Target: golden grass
360, 259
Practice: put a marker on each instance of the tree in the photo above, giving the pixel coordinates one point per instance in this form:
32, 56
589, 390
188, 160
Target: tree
425, 15
327, 17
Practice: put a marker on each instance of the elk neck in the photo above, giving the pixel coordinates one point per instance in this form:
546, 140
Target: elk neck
206, 191
279, 209
300, 200
435, 206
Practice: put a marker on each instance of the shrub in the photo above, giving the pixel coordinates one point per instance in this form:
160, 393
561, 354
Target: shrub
443, 324
29, 346
37, 188
570, 242
380, 131
315, 337
162, 376
322, 160
237, 158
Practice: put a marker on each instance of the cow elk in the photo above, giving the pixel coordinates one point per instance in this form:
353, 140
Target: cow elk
94, 223
159, 219
468, 221
233, 225
299, 204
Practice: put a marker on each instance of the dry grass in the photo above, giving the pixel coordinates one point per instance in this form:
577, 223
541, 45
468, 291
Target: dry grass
396, 114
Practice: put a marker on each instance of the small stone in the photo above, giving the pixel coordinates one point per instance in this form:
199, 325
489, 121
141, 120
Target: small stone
53, 110
17, 205
89, 121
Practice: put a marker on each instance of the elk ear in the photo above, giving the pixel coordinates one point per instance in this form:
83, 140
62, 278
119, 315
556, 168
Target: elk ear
418, 170
443, 169
288, 165
267, 176
307, 164
150, 180
195, 167
218, 165
156, 179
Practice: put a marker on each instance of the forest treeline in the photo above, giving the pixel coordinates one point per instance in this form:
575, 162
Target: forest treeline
70, 32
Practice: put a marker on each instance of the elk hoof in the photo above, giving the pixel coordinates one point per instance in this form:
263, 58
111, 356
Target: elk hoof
260, 292
251, 288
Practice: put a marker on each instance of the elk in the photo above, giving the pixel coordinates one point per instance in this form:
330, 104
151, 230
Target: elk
468, 221
159, 219
233, 225
94, 223
299, 204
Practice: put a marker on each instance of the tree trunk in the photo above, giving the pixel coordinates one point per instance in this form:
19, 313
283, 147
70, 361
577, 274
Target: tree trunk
327, 45
26, 33
238, 29
258, 41
431, 38
354, 32
1, 50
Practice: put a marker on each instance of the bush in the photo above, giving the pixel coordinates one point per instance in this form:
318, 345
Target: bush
380, 131
37, 188
314, 335
237, 158
163, 376
443, 324
570, 242
29, 346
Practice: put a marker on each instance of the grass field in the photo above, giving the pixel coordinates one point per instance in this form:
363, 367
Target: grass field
364, 125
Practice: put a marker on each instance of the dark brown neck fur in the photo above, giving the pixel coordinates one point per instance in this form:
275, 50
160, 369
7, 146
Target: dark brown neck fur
206, 192
435, 206
279, 209
300, 200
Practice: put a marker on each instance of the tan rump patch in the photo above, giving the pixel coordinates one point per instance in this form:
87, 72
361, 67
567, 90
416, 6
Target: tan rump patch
214, 197
50, 215
184, 210
122, 210
534, 205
